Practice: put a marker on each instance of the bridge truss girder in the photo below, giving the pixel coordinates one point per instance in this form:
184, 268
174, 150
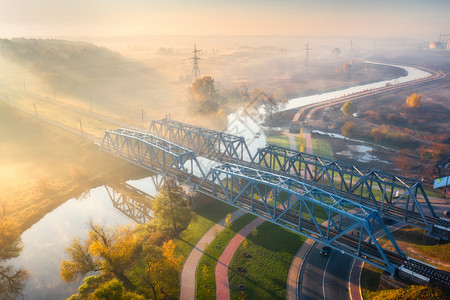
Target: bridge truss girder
203, 142
302, 208
131, 202
372, 188
153, 153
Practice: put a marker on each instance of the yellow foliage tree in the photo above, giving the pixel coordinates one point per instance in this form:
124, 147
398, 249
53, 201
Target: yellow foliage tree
168, 250
108, 250
413, 101
228, 221
348, 108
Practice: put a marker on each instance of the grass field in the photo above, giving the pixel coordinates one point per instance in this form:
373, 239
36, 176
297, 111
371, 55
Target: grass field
206, 287
267, 266
322, 148
42, 167
301, 143
410, 240
205, 218
278, 140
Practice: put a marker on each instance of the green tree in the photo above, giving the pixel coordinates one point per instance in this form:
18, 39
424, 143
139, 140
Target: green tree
348, 108
413, 101
254, 234
171, 214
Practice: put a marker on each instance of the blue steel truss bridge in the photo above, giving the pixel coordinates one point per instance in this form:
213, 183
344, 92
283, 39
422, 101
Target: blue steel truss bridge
395, 197
309, 205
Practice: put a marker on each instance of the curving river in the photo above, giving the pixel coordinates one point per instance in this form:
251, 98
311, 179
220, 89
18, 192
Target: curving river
45, 242
413, 74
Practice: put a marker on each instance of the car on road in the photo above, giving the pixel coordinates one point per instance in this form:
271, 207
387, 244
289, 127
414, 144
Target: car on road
447, 213
325, 251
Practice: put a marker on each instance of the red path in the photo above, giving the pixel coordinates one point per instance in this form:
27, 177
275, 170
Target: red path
222, 285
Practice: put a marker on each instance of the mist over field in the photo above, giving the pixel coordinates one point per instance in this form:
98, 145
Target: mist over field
123, 76
358, 90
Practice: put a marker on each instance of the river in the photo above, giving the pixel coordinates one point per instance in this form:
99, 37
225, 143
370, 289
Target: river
413, 74
45, 242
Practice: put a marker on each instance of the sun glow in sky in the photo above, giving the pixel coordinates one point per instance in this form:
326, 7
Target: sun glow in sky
381, 18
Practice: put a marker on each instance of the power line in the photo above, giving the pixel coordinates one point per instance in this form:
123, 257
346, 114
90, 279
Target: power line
307, 49
195, 69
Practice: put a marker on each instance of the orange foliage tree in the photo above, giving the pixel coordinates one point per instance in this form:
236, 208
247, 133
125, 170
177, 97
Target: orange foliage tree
413, 101
350, 129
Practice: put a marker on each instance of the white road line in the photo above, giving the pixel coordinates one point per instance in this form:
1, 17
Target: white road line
325, 273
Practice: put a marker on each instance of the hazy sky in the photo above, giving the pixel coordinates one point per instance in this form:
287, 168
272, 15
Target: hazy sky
377, 18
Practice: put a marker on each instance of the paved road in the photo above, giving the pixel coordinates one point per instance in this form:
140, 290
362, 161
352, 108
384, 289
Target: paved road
325, 277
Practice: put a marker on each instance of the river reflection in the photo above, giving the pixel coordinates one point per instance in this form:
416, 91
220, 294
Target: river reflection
45, 242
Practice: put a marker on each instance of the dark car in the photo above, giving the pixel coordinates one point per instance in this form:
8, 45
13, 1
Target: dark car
447, 213
325, 251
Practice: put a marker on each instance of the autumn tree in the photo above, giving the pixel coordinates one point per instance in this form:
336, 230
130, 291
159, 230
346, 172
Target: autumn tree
108, 250
346, 67
204, 95
404, 163
12, 280
158, 273
171, 214
413, 101
348, 108
228, 221
350, 129
114, 289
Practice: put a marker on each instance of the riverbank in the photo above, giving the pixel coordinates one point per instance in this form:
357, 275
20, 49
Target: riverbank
42, 167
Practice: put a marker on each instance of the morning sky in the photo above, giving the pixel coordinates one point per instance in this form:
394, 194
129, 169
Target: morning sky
359, 18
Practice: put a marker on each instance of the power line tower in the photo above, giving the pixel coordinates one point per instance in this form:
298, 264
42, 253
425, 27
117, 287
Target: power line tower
195, 69
307, 49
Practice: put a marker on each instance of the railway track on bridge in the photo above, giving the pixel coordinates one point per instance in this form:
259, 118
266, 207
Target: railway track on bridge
290, 217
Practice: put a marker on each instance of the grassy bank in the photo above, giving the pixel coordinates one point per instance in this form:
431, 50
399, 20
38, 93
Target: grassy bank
205, 218
265, 265
41, 167
206, 286
278, 140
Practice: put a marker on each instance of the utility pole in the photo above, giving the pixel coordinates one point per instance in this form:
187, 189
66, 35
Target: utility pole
195, 69
307, 49
81, 129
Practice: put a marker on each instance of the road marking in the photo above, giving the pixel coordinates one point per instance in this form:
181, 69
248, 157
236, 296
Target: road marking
349, 282
325, 273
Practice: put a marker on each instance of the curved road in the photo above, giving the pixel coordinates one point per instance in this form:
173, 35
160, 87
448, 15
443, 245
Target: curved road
329, 277
325, 277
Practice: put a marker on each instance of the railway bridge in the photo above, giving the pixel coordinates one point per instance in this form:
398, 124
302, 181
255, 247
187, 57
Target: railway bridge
270, 185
